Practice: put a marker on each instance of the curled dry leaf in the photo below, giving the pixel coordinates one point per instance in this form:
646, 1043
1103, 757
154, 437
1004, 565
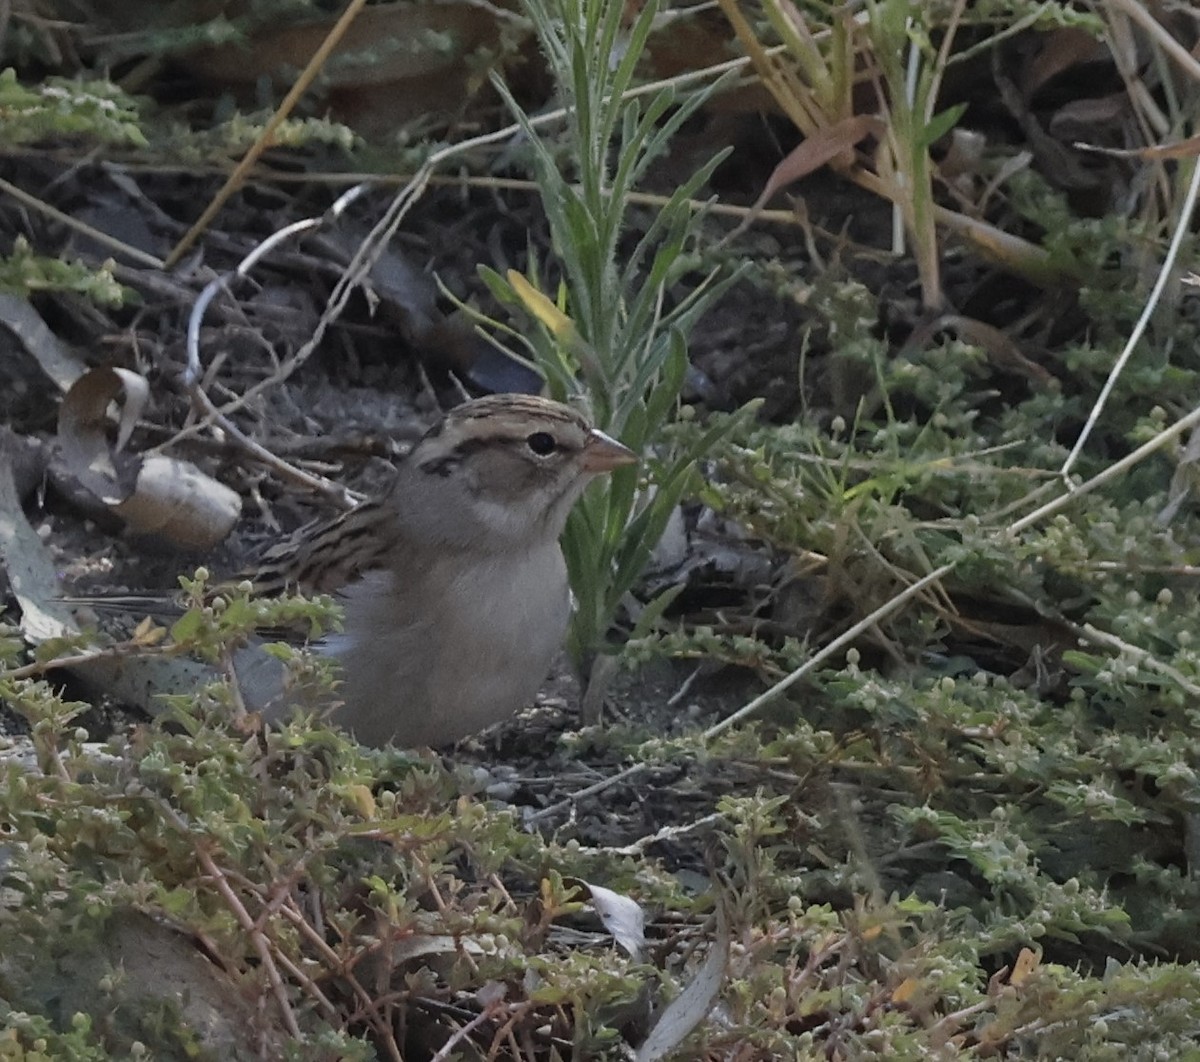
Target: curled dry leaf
153, 495
26, 562
83, 430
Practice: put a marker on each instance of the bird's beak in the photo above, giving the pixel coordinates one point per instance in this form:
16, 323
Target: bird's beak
601, 453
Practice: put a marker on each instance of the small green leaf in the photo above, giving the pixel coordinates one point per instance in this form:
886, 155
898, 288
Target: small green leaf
188, 626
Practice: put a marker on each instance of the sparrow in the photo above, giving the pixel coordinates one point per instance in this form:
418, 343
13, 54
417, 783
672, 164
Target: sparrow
452, 581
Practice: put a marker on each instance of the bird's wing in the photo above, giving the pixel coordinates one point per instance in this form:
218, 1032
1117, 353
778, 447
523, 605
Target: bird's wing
327, 556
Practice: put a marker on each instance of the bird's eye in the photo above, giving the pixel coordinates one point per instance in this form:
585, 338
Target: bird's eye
541, 443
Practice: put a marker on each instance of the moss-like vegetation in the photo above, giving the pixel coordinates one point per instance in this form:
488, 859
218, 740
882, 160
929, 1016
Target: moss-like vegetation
971, 832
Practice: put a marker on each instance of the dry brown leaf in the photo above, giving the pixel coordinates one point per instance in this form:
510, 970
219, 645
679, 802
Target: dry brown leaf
810, 155
822, 147
83, 424
1025, 967
177, 501
1060, 50
134, 680
156, 495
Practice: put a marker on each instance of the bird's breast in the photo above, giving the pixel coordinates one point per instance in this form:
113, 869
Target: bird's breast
431, 653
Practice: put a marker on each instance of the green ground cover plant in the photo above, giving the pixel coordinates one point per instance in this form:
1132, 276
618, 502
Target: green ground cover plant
971, 833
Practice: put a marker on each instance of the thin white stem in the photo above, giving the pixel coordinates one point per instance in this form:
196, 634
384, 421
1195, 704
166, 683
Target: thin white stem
887, 608
1181, 230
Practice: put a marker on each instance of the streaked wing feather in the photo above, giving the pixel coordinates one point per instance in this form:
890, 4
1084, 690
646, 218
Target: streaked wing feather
325, 557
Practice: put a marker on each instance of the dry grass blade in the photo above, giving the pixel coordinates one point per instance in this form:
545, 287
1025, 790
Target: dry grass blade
266, 137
